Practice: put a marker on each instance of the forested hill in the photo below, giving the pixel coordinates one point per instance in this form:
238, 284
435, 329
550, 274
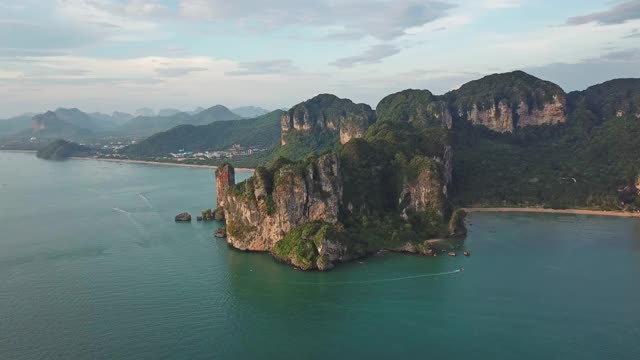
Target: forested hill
263, 131
592, 160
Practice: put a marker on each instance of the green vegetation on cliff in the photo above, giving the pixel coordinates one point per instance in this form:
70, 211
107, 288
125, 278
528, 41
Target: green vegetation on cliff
419, 107
512, 87
609, 99
300, 245
578, 164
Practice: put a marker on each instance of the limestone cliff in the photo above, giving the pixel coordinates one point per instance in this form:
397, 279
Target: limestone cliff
261, 210
327, 116
225, 177
502, 102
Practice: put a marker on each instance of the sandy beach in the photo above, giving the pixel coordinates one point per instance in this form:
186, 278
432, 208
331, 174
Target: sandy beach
156, 163
555, 211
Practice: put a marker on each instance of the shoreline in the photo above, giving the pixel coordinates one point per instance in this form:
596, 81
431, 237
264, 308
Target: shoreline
554, 211
147, 162
19, 151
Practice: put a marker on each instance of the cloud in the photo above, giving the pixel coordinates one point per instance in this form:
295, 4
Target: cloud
24, 35
269, 67
571, 76
145, 8
373, 55
635, 33
620, 56
619, 13
502, 4
382, 19
178, 71
344, 35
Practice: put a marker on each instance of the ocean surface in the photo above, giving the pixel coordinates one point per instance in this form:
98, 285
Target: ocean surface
92, 266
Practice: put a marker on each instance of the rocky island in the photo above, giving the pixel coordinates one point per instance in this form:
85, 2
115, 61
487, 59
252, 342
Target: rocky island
385, 186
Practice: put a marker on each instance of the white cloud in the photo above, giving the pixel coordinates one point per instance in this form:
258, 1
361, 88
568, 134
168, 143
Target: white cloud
372, 55
106, 13
268, 67
382, 19
502, 4
619, 12
145, 8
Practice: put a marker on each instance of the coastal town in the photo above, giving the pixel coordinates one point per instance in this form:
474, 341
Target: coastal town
235, 150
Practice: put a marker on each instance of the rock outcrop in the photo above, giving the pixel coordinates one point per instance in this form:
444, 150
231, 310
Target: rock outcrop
327, 116
502, 102
426, 191
262, 210
183, 217
225, 177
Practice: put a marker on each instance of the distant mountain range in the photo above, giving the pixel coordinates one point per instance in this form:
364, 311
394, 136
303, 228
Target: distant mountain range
250, 112
73, 123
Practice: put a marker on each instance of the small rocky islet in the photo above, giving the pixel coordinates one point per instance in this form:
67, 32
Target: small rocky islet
183, 217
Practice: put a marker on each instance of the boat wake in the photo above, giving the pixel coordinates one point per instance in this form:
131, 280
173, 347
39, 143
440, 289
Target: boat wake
146, 200
377, 280
115, 208
130, 217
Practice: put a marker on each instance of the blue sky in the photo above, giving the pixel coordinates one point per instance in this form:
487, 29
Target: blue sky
106, 55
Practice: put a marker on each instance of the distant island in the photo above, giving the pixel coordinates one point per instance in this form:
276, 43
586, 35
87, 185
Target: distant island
335, 180
61, 149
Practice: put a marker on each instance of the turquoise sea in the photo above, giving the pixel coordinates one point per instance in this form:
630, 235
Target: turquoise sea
92, 266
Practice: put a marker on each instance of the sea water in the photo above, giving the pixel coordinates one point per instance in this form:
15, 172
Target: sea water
92, 265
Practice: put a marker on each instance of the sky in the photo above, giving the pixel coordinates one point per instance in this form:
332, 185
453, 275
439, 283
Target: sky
108, 55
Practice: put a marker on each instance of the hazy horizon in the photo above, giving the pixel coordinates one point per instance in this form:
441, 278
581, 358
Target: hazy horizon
122, 55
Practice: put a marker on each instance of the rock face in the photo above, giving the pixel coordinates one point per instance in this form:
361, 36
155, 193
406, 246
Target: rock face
497, 118
225, 177
266, 207
552, 113
427, 191
329, 116
502, 102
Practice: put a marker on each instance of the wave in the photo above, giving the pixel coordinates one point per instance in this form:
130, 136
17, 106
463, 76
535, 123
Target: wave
146, 200
115, 208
